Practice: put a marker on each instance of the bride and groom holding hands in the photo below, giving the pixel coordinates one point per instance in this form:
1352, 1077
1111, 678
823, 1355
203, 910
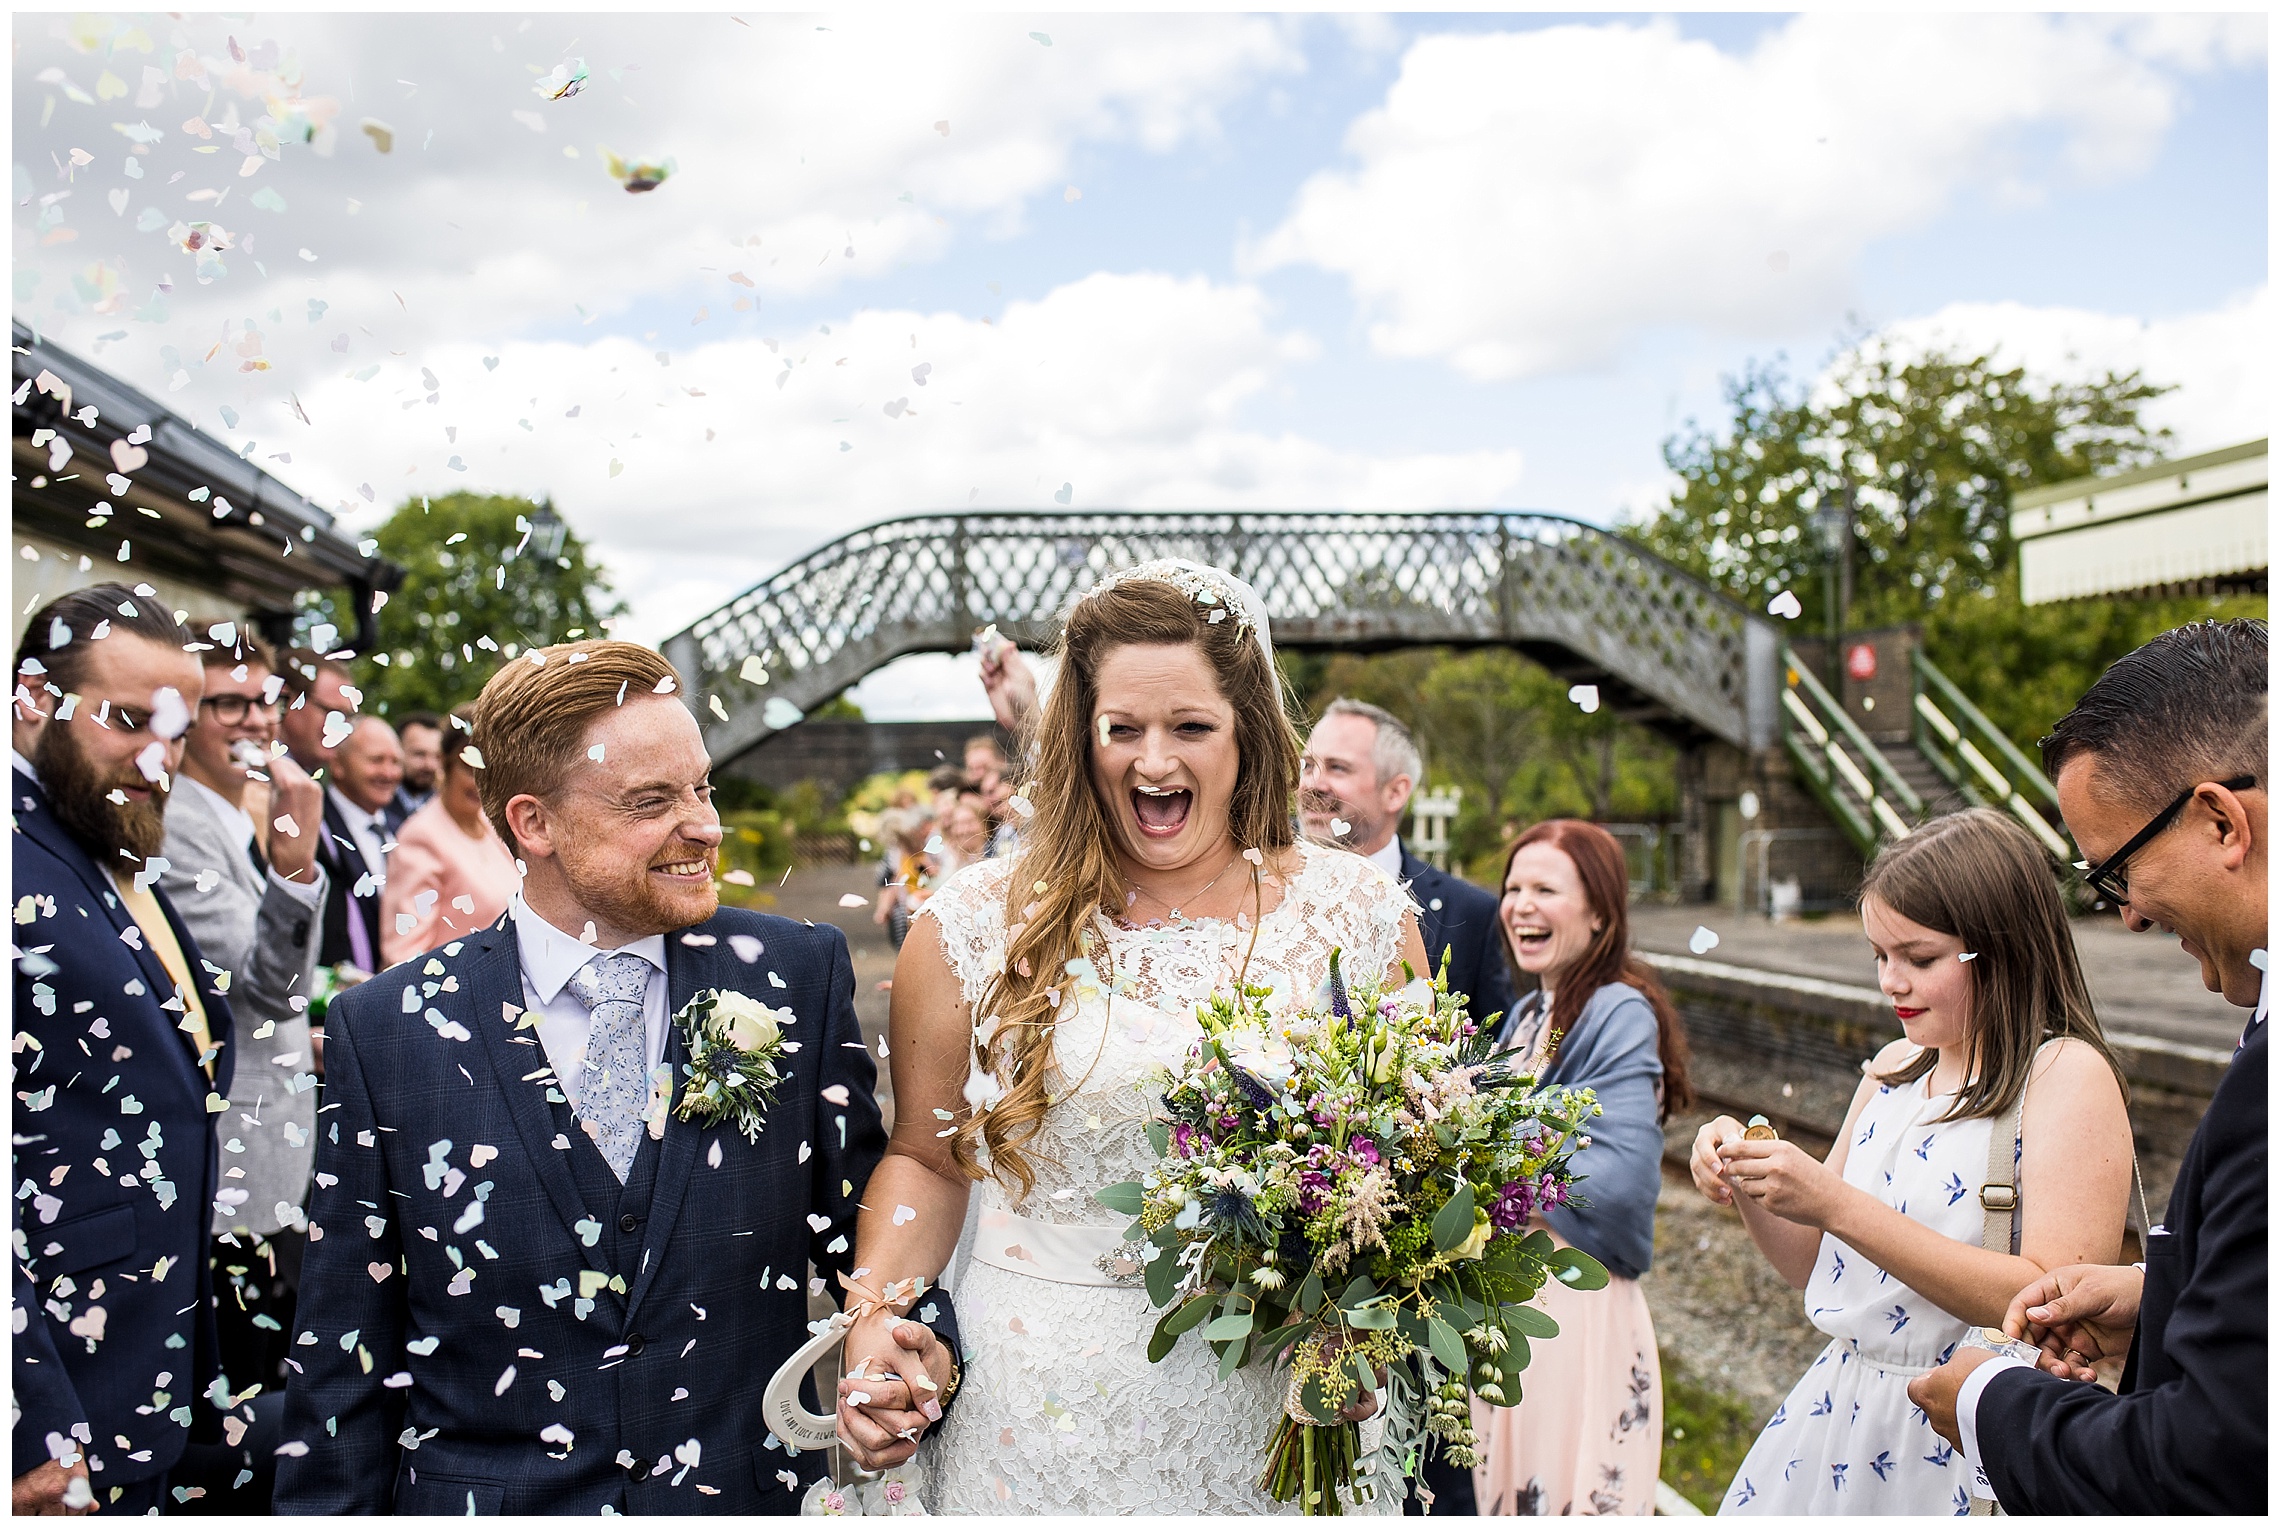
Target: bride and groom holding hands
557, 1265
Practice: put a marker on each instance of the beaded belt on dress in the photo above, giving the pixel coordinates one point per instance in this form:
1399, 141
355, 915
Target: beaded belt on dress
1097, 1255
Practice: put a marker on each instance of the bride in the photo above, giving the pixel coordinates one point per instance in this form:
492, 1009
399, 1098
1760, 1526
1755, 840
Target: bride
1034, 1002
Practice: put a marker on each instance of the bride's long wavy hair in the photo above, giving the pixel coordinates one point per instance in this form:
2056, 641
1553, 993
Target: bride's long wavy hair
1067, 881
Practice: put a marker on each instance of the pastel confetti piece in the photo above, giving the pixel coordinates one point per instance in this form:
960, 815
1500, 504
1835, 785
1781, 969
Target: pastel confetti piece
1585, 696
1786, 606
850, 899
1703, 940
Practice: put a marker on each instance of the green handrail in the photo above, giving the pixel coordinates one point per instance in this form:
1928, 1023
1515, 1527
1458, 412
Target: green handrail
1833, 716
2024, 776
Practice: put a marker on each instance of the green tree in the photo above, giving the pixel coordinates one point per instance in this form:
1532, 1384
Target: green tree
1931, 448
474, 594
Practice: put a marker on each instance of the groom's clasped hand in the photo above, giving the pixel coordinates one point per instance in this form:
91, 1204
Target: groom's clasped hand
887, 1399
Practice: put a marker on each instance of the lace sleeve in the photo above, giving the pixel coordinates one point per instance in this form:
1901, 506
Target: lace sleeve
970, 909
1367, 903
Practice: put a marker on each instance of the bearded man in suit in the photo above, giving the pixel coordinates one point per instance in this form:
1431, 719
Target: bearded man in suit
542, 1276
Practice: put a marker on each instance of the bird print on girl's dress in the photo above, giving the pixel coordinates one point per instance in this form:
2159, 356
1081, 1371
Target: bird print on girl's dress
1955, 1188
1942, 1452
1825, 1406
1898, 1316
1788, 1469
1836, 1266
1866, 1135
1924, 1147
1962, 1501
1837, 1476
1746, 1494
1884, 1464
1780, 1415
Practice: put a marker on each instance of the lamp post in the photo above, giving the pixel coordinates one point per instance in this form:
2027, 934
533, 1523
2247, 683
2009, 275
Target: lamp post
1833, 521
547, 532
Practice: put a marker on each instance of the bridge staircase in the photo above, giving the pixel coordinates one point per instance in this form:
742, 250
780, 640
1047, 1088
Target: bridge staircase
1879, 790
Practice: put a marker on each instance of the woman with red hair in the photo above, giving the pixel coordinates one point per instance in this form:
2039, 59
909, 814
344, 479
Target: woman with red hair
1589, 1437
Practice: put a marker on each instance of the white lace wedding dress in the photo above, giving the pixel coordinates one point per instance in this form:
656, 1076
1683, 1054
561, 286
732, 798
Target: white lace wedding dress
1059, 1409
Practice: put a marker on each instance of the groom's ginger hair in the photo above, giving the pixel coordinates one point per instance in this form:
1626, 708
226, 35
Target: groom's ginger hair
531, 719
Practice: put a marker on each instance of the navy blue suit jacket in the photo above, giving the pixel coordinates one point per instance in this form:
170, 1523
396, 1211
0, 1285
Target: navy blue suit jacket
514, 1393
1458, 918
2186, 1433
110, 1086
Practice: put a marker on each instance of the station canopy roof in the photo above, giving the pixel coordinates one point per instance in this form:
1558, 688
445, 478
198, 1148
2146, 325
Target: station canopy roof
2197, 523
246, 536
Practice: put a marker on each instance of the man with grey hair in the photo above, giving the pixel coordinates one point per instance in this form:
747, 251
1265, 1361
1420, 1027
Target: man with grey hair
1360, 768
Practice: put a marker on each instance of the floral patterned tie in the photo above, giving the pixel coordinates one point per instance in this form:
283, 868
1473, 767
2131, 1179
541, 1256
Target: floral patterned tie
613, 1085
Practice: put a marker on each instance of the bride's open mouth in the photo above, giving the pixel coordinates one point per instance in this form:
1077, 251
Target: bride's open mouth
1161, 813
1530, 936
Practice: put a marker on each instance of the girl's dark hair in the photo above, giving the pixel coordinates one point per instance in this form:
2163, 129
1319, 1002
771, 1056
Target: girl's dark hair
1599, 865
1976, 876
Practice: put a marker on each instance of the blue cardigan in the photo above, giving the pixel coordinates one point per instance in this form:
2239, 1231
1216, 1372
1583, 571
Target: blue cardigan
1612, 1049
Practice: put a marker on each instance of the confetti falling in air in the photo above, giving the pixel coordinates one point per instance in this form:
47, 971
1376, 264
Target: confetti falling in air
566, 81
1703, 941
851, 900
1340, 827
1785, 605
780, 713
1968, 955
639, 175
382, 135
1585, 696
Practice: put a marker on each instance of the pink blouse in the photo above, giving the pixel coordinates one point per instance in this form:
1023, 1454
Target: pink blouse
441, 884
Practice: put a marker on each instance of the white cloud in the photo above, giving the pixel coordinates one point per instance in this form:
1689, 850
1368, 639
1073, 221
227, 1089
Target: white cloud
806, 154
1529, 203
1128, 388
2221, 361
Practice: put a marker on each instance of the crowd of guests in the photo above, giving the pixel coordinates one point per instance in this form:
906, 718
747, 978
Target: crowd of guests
219, 834
967, 814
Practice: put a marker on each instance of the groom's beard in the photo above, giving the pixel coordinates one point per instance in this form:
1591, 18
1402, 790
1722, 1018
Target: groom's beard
636, 901
81, 804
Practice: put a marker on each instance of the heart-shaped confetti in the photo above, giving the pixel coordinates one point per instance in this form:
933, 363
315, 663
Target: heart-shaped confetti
379, 1271
1585, 696
1786, 606
1703, 941
128, 457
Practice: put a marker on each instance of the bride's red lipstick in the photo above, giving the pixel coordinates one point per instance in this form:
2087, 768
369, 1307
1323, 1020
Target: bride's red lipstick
1905, 1013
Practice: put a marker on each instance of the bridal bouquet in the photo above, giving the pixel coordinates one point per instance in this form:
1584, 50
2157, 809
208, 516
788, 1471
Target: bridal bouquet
1349, 1183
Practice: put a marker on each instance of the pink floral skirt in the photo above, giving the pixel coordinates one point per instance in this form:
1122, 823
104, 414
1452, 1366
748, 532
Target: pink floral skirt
1586, 1437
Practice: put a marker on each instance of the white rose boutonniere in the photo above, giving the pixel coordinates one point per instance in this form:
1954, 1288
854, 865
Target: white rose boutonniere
733, 1040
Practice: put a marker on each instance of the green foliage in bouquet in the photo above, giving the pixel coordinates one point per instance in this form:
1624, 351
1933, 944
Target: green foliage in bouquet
1346, 1185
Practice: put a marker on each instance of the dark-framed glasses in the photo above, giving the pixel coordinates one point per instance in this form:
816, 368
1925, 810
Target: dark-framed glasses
2111, 877
229, 710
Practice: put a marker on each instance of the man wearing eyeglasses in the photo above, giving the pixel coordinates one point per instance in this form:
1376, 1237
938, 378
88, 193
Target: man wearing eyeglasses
2162, 773
259, 916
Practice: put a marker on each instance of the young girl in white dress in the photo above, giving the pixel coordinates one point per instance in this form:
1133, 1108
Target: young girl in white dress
1972, 947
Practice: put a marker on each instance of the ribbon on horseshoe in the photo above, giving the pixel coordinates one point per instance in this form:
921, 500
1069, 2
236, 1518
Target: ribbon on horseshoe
780, 1404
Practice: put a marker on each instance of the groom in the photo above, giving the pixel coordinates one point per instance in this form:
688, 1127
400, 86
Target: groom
529, 1289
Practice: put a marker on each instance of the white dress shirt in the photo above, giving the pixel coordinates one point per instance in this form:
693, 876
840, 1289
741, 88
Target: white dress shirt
1388, 858
368, 832
304, 892
24, 765
549, 959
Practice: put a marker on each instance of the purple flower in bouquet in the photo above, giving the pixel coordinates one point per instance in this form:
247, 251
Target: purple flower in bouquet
1364, 1150
1313, 1191
1514, 1202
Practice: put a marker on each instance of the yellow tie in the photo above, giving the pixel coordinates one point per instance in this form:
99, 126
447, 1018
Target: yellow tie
160, 935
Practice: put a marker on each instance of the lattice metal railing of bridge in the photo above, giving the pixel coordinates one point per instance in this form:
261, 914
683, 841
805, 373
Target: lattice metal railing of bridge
1663, 646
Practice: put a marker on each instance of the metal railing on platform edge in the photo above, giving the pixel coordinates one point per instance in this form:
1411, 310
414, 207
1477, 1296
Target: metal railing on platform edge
1838, 761
1958, 738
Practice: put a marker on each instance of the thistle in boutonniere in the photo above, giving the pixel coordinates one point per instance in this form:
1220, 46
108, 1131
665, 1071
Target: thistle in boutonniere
733, 1041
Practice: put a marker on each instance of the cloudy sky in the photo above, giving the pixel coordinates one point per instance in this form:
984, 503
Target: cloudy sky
923, 261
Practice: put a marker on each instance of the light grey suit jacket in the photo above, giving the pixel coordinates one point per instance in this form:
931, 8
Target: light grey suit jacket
249, 924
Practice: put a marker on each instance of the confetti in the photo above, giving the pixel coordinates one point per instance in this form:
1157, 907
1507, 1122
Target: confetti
638, 176
1786, 606
852, 900
1585, 696
382, 135
566, 80
1703, 940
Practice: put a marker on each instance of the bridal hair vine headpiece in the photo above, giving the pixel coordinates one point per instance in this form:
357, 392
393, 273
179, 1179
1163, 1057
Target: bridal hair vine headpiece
1227, 597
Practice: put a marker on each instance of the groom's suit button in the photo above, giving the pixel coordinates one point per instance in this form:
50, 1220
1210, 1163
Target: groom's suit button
629, 1223
634, 1344
639, 1469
